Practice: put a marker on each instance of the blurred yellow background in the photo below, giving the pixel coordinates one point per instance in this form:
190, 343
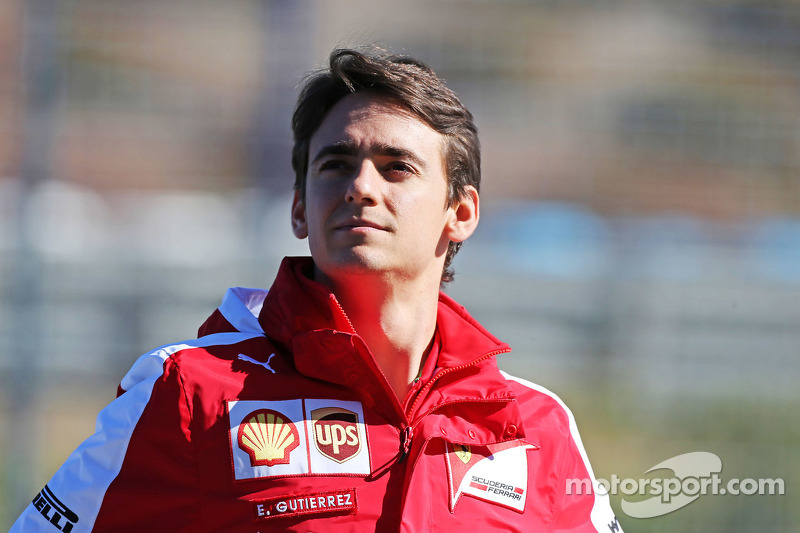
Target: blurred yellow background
639, 246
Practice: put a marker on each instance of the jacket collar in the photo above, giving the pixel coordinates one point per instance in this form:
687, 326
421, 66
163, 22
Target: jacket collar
297, 305
304, 317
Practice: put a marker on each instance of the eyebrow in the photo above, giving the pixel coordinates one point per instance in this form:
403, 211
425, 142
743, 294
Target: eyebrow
349, 148
337, 148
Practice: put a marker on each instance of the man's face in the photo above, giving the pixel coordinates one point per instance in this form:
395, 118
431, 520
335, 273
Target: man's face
376, 192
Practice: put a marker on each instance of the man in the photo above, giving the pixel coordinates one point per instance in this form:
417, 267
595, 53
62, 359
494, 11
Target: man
353, 396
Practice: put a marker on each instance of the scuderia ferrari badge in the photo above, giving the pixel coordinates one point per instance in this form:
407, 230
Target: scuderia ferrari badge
497, 473
297, 437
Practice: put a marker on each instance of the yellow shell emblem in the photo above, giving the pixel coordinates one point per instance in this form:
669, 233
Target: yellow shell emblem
268, 437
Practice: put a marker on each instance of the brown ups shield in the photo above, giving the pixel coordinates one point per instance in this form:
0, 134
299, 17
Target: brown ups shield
336, 434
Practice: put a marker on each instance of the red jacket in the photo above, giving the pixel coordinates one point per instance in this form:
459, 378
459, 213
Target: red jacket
277, 418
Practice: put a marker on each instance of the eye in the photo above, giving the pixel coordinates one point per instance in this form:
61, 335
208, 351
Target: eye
333, 165
399, 166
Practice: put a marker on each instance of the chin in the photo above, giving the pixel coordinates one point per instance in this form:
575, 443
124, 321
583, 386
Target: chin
353, 262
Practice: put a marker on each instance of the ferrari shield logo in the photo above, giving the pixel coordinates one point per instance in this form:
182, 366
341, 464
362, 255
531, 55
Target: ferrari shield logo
336, 434
463, 452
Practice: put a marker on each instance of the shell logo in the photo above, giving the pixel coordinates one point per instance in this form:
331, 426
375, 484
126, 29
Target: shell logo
268, 437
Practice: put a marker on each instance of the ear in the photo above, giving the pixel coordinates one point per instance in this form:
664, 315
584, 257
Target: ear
299, 224
463, 215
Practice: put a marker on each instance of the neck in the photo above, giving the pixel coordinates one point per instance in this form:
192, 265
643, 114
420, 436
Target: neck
396, 320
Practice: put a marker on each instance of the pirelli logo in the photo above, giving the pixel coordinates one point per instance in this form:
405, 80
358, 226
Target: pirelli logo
297, 437
58, 514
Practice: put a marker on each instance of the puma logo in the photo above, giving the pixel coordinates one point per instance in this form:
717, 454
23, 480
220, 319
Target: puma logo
244, 357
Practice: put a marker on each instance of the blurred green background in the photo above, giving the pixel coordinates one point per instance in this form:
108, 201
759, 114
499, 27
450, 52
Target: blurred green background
639, 245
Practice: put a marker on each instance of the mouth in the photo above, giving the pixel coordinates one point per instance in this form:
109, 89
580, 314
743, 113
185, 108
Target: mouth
360, 225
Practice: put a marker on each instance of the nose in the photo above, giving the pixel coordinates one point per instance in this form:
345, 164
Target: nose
363, 187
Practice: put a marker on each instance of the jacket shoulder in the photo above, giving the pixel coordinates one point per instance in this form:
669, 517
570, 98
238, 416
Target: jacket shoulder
551, 425
150, 403
549, 422
540, 403
151, 364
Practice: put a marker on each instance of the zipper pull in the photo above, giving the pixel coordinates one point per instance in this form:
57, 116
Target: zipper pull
405, 443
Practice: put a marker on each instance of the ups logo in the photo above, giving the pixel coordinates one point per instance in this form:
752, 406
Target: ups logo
336, 433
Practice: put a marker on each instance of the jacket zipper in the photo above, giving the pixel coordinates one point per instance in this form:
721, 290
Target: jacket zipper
407, 433
377, 369
436, 376
339, 306
405, 442
453, 402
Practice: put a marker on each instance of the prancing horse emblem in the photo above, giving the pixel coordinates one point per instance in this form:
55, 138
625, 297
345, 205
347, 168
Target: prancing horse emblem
463, 452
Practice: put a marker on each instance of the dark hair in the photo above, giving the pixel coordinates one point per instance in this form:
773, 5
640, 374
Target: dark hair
411, 84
